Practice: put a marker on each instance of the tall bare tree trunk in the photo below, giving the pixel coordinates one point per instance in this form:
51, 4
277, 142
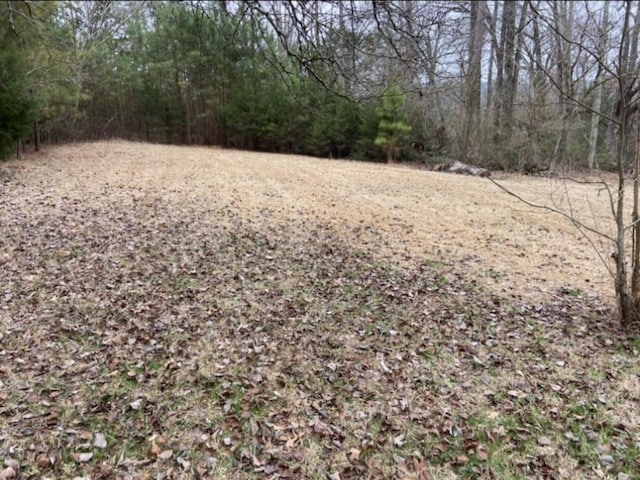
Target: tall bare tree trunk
473, 79
538, 75
493, 52
597, 100
36, 136
563, 19
628, 298
634, 70
509, 64
432, 66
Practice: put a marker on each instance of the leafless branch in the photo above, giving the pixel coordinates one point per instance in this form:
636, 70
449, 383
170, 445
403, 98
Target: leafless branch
564, 214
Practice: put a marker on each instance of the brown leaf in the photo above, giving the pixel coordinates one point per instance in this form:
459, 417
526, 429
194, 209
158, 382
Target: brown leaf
517, 394
482, 454
156, 443
8, 472
544, 441
399, 440
82, 457
43, 461
165, 454
354, 454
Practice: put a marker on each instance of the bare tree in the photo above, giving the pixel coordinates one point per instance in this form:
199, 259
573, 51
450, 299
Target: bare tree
597, 99
473, 78
621, 68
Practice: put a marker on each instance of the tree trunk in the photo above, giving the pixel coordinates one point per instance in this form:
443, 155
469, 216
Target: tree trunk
597, 101
473, 80
188, 112
539, 99
563, 18
626, 305
635, 220
509, 65
592, 161
628, 295
493, 51
635, 216
36, 136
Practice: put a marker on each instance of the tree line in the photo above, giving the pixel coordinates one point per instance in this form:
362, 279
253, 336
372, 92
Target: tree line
205, 73
503, 84
513, 84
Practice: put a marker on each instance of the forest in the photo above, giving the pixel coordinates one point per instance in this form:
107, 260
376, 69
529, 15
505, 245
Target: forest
527, 85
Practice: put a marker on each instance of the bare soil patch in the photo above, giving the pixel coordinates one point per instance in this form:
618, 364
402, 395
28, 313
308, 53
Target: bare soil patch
178, 312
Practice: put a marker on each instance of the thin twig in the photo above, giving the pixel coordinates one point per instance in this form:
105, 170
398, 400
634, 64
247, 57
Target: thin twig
572, 219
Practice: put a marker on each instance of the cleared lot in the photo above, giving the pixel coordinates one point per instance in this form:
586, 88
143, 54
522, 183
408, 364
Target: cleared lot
197, 313
427, 215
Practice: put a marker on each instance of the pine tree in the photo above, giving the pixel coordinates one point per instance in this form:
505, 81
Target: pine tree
392, 130
16, 104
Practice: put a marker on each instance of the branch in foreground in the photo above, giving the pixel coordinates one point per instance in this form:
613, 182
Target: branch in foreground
580, 226
569, 217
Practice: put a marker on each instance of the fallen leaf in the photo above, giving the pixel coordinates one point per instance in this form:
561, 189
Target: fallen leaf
399, 440
482, 454
42, 461
99, 440
517, 394
82, 457
544, 441
607, 460
8, 472
570, 436
354, 454
165, 454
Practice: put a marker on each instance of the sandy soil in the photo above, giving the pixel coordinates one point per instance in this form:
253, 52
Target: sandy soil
401, 213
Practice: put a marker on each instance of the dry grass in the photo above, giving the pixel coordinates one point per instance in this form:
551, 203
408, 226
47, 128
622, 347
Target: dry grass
510, 247
199, 313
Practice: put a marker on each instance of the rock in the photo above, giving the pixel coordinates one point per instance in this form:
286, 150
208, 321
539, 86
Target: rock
458, 167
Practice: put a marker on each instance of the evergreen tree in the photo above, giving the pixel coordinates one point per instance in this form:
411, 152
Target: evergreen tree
392, 130
16, 105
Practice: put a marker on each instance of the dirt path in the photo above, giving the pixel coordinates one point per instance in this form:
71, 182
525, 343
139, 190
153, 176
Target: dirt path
398, 212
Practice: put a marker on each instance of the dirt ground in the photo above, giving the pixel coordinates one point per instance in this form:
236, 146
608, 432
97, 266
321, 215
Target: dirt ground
398, 212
